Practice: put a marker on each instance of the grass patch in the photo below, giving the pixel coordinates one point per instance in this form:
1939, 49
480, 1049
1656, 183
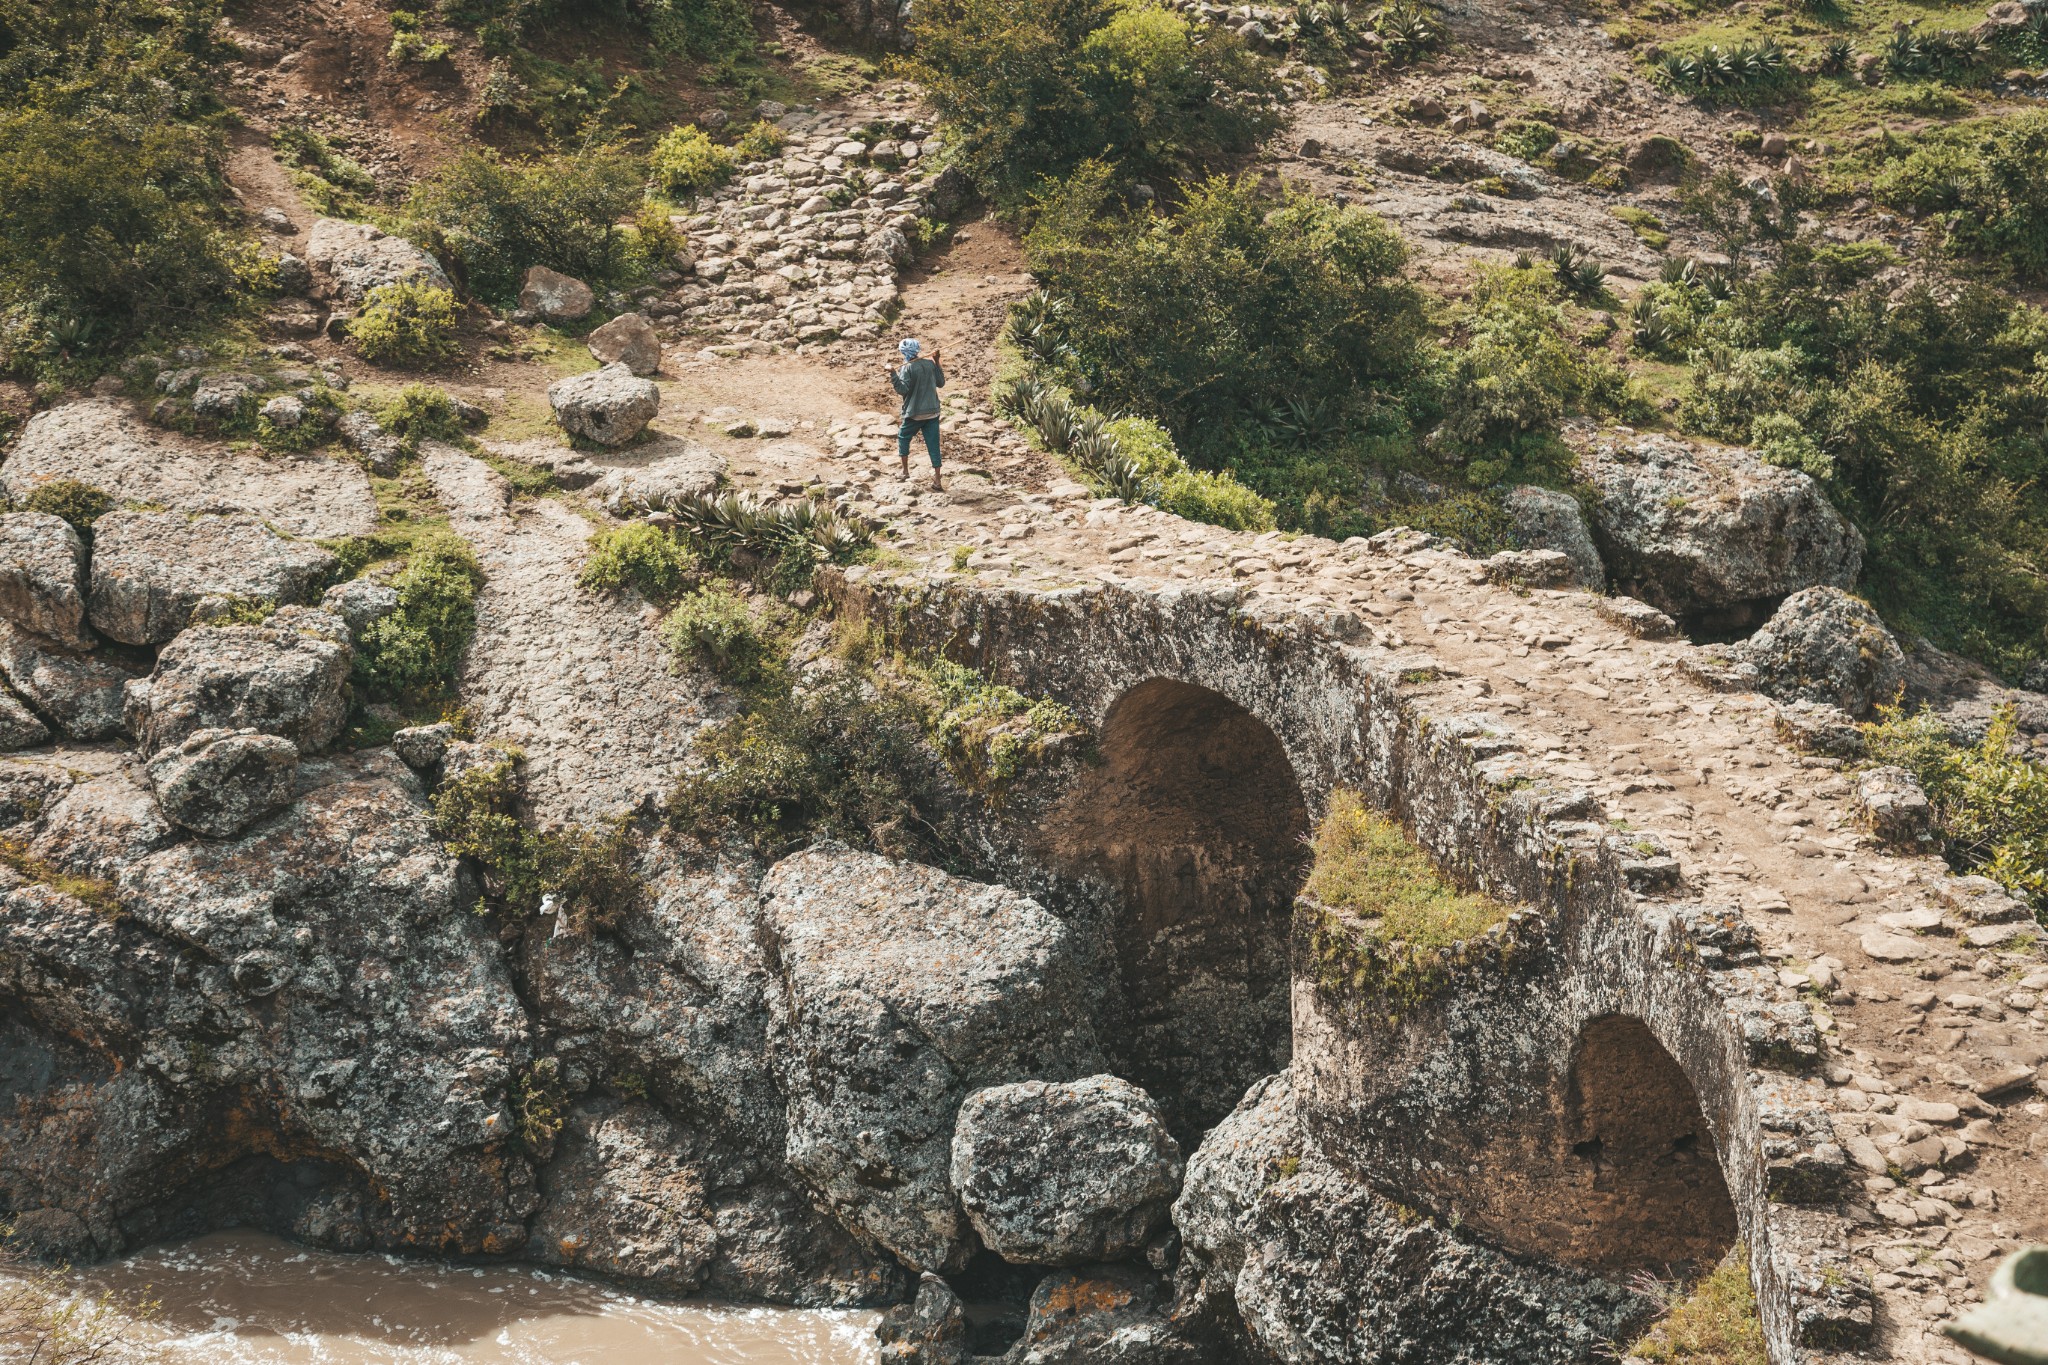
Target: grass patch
96, 892
1715, 1322
1366, 863
1647, 226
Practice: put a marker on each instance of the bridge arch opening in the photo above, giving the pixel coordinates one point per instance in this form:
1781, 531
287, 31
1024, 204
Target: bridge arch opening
1648, 1183
1196, 819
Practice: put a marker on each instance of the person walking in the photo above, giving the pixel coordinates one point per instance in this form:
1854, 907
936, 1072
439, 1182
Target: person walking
919, 381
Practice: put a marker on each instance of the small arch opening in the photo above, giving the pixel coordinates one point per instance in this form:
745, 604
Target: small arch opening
1650, 1193
1196, 819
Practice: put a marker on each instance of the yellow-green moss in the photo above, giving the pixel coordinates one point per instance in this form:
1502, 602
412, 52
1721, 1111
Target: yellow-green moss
1366, 863
1713, 1323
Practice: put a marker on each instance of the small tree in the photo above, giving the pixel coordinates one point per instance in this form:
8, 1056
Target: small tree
495, 217
407, 322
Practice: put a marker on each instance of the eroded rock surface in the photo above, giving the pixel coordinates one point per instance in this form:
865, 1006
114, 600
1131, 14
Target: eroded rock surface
896, 991
359, 258
1060, 1173
103, 443
1714, 533
151, 569
303, 1028
79, 693
268, 678
42, 577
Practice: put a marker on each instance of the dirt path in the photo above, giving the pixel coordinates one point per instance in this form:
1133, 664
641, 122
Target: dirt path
576, 680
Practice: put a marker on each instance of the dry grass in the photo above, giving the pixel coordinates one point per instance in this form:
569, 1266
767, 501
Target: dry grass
1713, 1323
45, 1321
1367, 864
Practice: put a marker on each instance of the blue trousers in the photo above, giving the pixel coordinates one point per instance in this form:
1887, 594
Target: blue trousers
911, 426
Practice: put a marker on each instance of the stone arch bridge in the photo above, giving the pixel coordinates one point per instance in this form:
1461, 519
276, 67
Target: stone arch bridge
1593, 1083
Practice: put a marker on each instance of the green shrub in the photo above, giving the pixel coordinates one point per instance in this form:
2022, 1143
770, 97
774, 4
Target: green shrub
760, 142
494, 217
1988, 185
418, 647
112, 199
333, 183
686, 162
1366, 863
588, 875
406, 322
656, 240
989, 734
1525, 138
716, 626
409, 44
1990, 801
840, 760
421, 412
1714, 1322
645, 558
1236, 303
1513, 373
74, 500
1919, 407
1029, 90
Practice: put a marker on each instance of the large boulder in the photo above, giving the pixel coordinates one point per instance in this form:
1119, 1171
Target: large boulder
81, 694
635, 1195
271, 678
1714, 535
675, 995
1336, 1274
151, 569
1060, 1173
42, 577
929, 1330
302, 1029
219, 782
897, 991
1236, 1160
359, 258
103, 443
609, 406
1546, 519
628, 340
1822, 645
554, 296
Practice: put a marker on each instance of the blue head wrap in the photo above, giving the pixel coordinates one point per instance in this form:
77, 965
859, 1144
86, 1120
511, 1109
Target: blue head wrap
909, 347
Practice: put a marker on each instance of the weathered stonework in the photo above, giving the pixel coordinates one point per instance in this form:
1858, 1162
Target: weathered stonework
1606, 1080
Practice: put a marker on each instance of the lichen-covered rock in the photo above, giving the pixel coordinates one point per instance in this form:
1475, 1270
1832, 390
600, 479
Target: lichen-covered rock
1818, 728
1547, 519
363, 434
1237, 1159
610, 406
219, 782
42, 577
279, 681
303, 1028
929, 1330
359, 258
896, 991
1057, 1173
20, 728
554, 296
1104, 1315
360, 603
1895, 807
150, 569
1638, 618
422, 747
1335, 1274
1714, 533
101, 442
1822, 645
1530, 568
79, 693
635, 1195
628, 340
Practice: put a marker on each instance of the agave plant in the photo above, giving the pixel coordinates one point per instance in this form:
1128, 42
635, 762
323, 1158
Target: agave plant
1651, 327
68, 333
1408, 30
1837, 55
1309, 422
1095, 449
1124, 480
733, 521
1903, 55
1577, 270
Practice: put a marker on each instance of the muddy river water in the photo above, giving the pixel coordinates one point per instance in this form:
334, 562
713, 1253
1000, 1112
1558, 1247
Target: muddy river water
247, 1299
